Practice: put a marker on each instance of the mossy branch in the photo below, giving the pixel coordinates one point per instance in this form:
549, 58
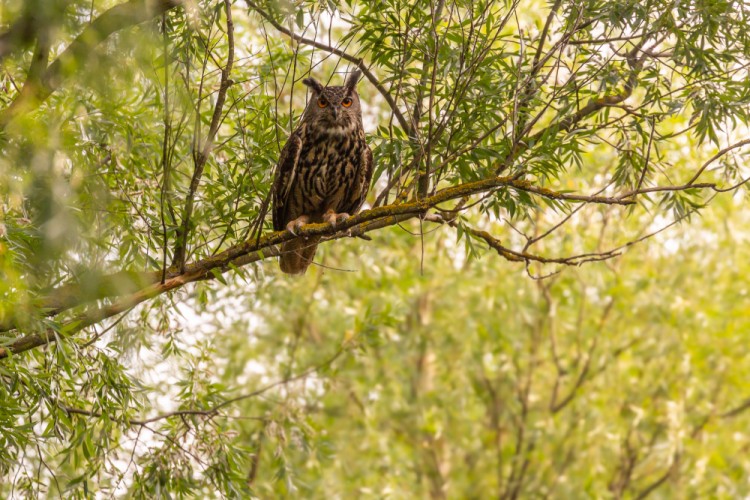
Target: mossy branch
149, 285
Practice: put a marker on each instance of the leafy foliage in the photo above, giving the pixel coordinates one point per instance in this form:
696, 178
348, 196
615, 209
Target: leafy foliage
149, 348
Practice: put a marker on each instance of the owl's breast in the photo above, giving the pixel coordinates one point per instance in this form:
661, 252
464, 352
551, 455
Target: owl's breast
327, 171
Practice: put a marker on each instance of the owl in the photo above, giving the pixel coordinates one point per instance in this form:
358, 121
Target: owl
324, 169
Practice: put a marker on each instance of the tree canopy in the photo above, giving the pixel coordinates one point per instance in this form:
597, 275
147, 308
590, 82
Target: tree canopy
543, 295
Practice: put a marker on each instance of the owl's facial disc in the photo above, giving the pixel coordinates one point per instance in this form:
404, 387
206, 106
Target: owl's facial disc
334, 108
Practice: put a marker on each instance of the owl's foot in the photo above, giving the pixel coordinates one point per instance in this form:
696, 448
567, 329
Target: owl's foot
333, 218
296, 224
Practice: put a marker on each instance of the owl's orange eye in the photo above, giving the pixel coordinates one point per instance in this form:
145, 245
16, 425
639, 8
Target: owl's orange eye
346, 102
322, 102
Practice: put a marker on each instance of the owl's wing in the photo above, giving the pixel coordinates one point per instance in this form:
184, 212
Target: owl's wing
286, 171
364, 182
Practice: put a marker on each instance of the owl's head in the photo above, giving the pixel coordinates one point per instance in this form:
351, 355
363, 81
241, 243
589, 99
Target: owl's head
335, 109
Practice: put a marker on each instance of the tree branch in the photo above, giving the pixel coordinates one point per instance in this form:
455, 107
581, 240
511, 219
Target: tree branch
254, 250
213, 410
715, 157
201, 157
115, 19
602, 102
523, 256
95, 287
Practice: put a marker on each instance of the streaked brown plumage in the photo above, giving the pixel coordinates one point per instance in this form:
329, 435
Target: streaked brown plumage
324, 170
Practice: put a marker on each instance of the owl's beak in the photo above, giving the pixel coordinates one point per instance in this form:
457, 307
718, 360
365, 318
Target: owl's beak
335, 111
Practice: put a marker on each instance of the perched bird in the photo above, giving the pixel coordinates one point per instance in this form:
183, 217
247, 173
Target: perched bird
324, 170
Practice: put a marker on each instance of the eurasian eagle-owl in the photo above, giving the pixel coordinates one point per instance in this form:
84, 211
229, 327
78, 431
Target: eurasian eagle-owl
324, 169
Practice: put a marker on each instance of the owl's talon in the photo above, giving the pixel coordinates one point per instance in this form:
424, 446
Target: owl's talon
333, 218
296, 224
342, 217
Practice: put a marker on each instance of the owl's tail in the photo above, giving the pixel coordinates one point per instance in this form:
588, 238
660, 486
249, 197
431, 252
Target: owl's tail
297, 255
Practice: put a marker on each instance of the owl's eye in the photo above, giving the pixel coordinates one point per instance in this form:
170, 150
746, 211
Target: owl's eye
346, 102
322, 102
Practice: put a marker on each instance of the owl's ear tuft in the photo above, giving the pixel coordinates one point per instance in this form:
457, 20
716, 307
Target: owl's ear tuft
313, 84
351, 82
